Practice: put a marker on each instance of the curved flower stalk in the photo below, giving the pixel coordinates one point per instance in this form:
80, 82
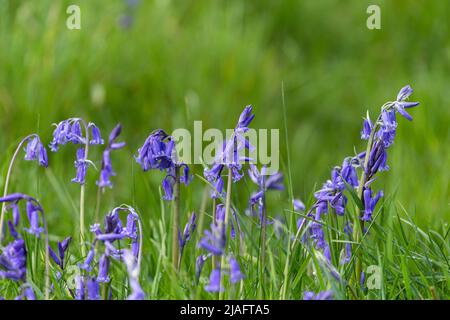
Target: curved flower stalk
113, 231
71, 131
264, 182
34, 150
158, 152
13, 258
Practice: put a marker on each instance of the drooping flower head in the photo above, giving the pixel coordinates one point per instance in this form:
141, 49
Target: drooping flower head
229, 156
188, 231
71, 131
158, 152
323, 295
35, 150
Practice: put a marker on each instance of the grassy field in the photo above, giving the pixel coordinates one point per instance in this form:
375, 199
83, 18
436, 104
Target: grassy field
165, 64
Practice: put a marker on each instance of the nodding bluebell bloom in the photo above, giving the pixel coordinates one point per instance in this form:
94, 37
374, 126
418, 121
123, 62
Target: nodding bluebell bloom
229, 155
214, 241
33, 210
133, 275
107, 170
199, 263
214, 282
377, 160
35, 150
369, 203
235, 271
93, 289
264, 182
81, 164
12, 230
62, 248
367, 128
103, 268
400, 105
323, 295
70, 131
188, 231
158, 152
13, 261
80, 291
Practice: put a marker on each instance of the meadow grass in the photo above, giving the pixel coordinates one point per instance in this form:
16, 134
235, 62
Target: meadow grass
311, 69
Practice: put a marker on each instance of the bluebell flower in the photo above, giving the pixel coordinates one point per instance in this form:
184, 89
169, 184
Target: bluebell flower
107, 170
103, 269
93, 289
400, 105
199, 263
13, 261
35, 150
369, 203
62, 248
158, 152
235, 271
81, 164
229, 155
70, 131
214, 240
188, 231
214, 282
367, 128
33, 211
323, 295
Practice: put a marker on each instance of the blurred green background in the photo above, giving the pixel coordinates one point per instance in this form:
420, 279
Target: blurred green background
165, 64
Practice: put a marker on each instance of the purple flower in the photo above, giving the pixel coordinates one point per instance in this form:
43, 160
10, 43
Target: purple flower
199, 263
188, 231
13, 261
214, 240
35, 150
107, 170
62, 248
103, 269
235, 271
158, 152
93, 289
370, 203
229, 155
367, 128
298, 205
33, 211
81, 164
214, 282
400, 105
95, 134
323, 295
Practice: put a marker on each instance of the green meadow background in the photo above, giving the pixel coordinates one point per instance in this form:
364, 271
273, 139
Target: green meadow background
180, 61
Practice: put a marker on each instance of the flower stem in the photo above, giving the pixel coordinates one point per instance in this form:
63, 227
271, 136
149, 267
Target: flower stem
82, 196
8, 176
227, 217
213, 258
358, 224
263, 248
176, 220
